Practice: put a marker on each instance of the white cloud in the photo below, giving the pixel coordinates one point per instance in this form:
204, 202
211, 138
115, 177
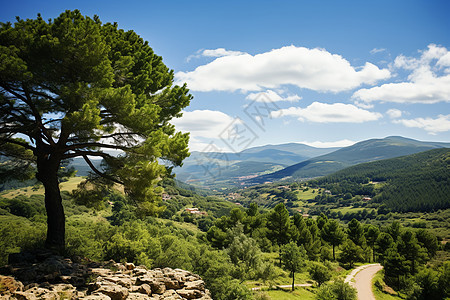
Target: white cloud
319, 144
433, 126
219, 52
314, 69
272, 96
329, 113
377, 50
394, 113
424, 84
203, 123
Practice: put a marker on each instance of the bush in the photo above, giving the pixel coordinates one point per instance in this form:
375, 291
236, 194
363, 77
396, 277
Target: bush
338, 290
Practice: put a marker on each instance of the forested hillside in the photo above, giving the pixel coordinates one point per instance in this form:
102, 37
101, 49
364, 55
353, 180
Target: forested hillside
418, 182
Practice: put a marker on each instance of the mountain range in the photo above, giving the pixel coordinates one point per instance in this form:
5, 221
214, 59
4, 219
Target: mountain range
224, 168
294, 161
365, 151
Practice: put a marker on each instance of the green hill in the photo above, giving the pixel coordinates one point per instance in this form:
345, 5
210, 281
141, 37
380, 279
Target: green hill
365, 151
417, 182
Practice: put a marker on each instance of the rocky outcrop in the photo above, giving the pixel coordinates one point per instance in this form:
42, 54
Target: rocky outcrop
59, 278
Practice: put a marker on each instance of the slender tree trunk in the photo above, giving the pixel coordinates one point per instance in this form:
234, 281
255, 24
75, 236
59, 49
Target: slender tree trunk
293, 279
279, 255
47, 173
334, 257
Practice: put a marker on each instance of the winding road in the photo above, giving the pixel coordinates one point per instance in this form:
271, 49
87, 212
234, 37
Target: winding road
363, 276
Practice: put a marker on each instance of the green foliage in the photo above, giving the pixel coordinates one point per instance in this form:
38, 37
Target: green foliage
355, 232
319, 273
417, 182
17, 234
278, 223
74, 87
338, 290
293, 258
333, 234
351, 253
244, 253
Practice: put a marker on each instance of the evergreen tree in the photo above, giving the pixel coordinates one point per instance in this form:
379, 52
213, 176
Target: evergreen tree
383, 243
279, 223
75, 87
409, 247
372, 234
394, 267
332, 233
351, 253
355, 232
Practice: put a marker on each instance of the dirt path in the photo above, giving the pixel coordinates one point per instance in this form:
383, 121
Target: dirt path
363, 280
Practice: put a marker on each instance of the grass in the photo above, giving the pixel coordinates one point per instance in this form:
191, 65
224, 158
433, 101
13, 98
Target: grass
348, 209
299, 293
28, 191
307, 195
380, 295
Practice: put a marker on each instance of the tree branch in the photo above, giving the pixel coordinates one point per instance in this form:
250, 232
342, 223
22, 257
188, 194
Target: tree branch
16, 142
101, 145
91, 165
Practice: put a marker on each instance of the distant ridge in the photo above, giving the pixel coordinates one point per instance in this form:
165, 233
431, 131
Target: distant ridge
361, 152
228, 168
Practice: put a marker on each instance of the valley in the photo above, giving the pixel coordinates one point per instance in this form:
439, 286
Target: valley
234, 227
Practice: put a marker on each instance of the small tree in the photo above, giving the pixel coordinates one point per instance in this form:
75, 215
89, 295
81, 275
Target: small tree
319, 273
338, 290
293, 257
245, 255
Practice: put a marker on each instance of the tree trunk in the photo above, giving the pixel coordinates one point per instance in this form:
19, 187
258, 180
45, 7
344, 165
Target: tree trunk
47, 173
293, 279
334, 257
279, 256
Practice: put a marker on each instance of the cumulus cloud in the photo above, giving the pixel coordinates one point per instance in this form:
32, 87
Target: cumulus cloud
203, 123
424, 84
270, 95
319, 144
432, 126
329, 113
314, 69
394, 113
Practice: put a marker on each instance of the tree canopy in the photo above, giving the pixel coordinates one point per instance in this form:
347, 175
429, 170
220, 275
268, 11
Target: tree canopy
74, 87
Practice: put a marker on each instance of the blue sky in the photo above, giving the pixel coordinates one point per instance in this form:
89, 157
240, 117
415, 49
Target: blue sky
325, 73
